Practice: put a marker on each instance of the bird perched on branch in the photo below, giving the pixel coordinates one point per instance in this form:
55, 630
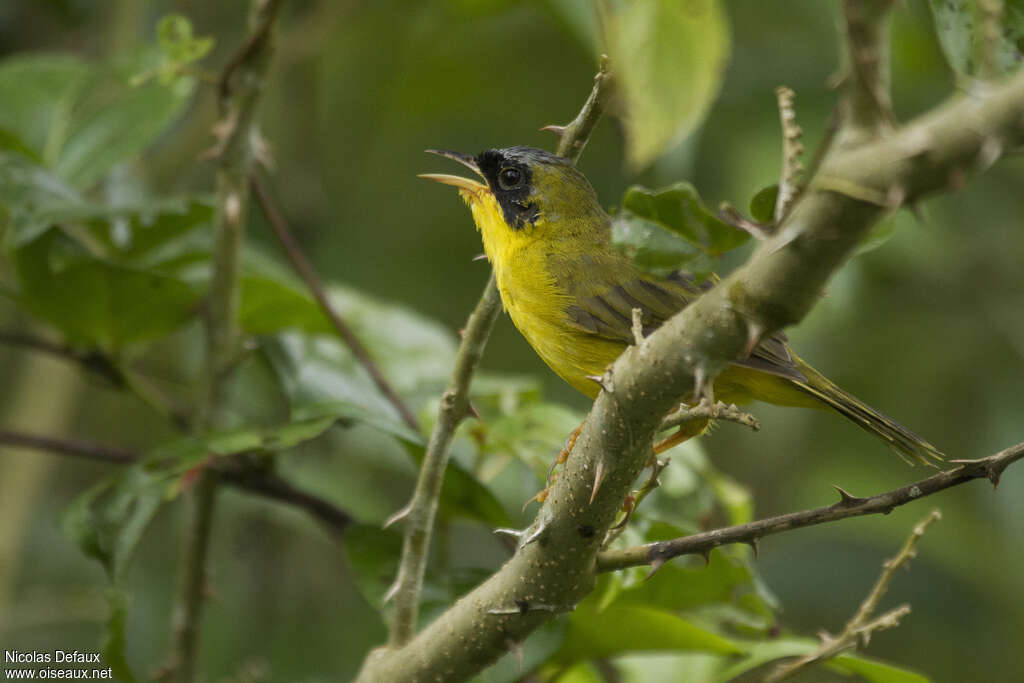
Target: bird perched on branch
572, 294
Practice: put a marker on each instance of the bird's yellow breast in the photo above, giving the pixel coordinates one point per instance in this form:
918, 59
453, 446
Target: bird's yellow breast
536, 297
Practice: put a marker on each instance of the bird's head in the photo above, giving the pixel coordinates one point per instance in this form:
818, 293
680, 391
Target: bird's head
527, 194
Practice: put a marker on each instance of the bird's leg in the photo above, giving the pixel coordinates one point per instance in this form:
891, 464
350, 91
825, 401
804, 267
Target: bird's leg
563, 456
686, 431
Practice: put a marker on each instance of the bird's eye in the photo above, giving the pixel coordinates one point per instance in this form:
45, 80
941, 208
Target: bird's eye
509, 177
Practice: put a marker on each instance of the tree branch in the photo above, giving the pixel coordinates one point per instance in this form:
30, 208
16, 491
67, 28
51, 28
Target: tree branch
240, 86
316, 288
866, 108
555, 566
91, 360
859, 629
656, 554
419, 514
261, 482
573, 136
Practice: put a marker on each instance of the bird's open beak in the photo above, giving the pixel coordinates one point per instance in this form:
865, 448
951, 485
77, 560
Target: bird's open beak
467, 184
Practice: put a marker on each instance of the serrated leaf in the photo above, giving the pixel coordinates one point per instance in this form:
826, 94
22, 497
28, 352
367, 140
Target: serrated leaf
616, 630
651, 44
957, 23
874, 670
762, 204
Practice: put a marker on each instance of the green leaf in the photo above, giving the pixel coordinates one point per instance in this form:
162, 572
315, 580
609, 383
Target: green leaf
533, 432
874, 670
373, 555
679, 208
97, 302
759, 653
38, 92
321, 377
108, 520
669, 229
114, 646
957, 23
114, 121
617, 630
762, 205
678, 587
178, 46
651, 44
81, 120
29, 193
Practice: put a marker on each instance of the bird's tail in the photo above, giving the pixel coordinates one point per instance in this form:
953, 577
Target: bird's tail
906, 443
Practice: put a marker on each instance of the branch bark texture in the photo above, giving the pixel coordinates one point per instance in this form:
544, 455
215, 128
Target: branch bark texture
556, 563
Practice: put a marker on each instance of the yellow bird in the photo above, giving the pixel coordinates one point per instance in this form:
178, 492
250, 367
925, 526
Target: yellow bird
571, 293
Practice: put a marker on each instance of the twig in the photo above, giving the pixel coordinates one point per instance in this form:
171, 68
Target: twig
989, 37
792, 150
866, 104
574, 135
263, 483
859, 629
92, 360
419, 514
240, 86
656, 554
309, 276
80, 448
185, 622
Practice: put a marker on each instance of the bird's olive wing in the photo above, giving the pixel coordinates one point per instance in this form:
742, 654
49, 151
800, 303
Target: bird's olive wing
608, 313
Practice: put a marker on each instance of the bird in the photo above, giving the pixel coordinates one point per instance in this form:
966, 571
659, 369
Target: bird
571, 293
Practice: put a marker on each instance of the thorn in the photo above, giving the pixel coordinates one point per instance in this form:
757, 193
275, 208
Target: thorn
504, 531
638, 326
846, 499
600, 472
596, 379
753, 544
393, 589
706, 554
471, 411
557, 130
480, 257
656, 564
754, 333
398, 516
535, 535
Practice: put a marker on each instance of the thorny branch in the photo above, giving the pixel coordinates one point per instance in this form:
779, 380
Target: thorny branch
657, 554
859, 629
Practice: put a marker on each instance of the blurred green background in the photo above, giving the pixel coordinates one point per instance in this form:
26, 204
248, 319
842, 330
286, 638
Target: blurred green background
928, 328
